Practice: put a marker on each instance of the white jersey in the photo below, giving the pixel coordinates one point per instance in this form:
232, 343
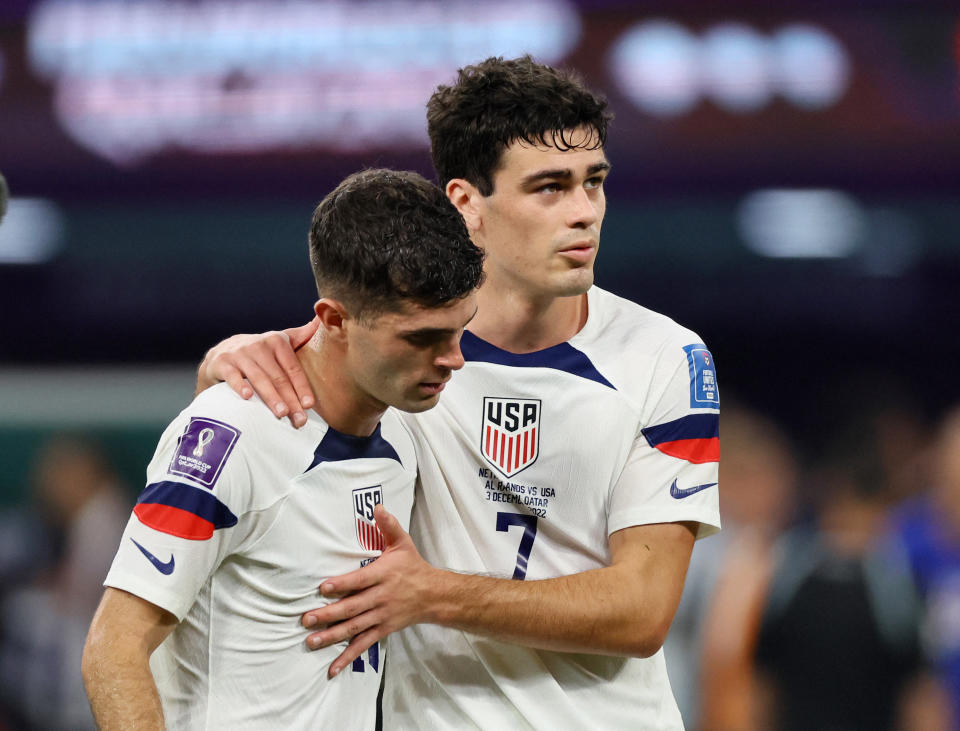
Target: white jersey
242, 518
527, 466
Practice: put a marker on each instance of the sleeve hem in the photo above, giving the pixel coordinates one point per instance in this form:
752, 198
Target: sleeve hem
148, 591
708, 519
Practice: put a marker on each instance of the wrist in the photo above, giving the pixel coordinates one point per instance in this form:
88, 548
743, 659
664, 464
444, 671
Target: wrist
445, 596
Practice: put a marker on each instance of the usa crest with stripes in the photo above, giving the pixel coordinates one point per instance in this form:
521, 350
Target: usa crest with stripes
364, 499
510, 436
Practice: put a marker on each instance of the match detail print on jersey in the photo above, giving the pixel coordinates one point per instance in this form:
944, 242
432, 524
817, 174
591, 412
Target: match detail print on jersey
510, 433
202, 450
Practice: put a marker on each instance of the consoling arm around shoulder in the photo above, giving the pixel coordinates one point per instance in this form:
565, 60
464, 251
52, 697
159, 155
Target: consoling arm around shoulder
622, 609
116, 672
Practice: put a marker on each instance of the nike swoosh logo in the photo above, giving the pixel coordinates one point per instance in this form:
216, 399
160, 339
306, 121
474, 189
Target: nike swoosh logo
164, 568
679, 494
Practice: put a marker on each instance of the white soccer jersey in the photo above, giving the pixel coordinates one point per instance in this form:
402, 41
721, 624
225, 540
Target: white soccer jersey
527, 465
241, 520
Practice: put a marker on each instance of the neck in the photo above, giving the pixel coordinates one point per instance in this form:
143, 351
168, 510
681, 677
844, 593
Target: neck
337, 400
519, 323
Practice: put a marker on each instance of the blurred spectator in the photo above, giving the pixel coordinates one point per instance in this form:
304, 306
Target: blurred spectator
822, 633
758, 473
838, 642
890, 424
44, 622
930, 528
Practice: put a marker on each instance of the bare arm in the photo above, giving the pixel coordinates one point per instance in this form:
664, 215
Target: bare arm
269, 364
623, 609
116, 672
733, 694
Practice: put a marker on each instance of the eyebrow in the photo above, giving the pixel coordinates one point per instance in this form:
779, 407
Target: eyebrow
436, 330
562, 173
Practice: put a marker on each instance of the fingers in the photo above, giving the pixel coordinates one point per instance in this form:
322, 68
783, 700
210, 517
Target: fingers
263, 379
300, 336
393, 533
342, 631
355, 581
350, 605
236, 381
296, 380
271, 369
266, 364
358, 645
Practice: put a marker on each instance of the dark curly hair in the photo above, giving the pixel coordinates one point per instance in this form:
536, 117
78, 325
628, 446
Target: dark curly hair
383, 237
495, 103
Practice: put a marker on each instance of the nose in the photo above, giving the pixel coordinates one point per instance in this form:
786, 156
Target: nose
583, 211
451, 357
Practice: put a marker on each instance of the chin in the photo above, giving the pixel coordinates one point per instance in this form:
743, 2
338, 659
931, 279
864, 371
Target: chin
575, 284
416, 406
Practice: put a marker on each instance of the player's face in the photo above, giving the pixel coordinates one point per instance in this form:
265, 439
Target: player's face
404, 358
540, 227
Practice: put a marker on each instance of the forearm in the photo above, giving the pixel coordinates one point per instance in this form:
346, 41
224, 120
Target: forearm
602, 611
622, 609
121, 689
116, 662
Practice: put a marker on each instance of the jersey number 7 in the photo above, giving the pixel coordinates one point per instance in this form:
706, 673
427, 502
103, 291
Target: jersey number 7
529, 524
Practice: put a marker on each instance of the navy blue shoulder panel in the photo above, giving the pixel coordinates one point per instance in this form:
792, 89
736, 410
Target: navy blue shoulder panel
562, 357
337, 446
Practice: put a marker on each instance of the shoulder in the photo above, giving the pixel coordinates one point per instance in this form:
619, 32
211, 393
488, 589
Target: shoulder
618, 319
221, 401
635, 344
221, 405
229, 445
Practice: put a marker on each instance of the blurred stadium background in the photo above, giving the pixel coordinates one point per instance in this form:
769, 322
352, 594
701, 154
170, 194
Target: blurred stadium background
785, 181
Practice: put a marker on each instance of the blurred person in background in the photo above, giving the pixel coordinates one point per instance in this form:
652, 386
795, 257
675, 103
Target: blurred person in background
929, 525
758, 473
823, 632
43, 621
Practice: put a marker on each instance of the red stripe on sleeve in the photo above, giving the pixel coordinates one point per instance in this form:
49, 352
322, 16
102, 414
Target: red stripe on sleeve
697, 451
174, 521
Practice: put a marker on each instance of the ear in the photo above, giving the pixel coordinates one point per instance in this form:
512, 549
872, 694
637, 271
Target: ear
332, 315
468, 200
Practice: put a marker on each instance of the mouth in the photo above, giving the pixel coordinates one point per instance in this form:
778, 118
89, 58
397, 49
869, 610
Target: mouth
580, 252
432, 388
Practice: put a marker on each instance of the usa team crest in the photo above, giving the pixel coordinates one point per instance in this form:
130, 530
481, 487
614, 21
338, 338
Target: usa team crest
510, 438
364, 499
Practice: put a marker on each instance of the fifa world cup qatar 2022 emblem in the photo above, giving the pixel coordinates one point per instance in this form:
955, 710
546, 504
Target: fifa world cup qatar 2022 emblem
364, 500
510, 436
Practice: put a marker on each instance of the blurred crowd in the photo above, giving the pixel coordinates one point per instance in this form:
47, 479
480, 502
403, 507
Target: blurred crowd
830, 600
54, 554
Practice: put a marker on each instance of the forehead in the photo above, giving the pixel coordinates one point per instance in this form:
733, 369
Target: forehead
581, 152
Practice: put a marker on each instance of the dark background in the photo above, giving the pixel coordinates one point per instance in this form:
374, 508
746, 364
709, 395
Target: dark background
161, 255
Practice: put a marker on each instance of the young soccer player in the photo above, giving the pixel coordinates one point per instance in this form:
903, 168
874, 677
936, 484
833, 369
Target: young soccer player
199, 626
